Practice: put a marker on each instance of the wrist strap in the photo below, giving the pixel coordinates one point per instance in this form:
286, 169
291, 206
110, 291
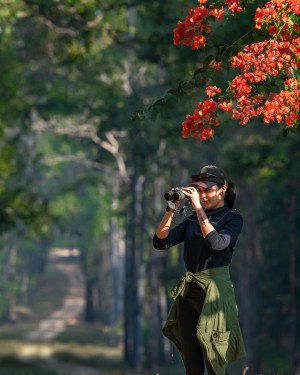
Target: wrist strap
171, 207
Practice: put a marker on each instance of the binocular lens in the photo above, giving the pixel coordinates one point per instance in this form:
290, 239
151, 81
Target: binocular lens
169, 195
179, 195
175, 194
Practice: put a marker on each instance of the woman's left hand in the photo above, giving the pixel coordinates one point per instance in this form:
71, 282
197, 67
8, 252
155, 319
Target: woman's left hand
193, 194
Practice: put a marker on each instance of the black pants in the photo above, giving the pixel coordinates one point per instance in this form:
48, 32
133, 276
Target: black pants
188, 311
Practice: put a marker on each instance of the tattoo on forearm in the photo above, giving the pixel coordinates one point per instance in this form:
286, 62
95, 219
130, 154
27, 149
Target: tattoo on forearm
202, 217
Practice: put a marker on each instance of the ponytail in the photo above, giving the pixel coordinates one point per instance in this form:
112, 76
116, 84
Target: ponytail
230, 195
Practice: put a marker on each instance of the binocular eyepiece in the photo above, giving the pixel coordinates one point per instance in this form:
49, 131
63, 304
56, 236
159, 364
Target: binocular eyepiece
175, 194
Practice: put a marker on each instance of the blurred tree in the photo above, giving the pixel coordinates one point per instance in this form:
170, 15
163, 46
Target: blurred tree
24, 210
79, 70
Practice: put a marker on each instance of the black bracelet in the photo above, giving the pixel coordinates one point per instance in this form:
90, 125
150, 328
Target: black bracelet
169, 209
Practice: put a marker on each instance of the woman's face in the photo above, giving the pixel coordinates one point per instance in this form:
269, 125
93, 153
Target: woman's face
211, 197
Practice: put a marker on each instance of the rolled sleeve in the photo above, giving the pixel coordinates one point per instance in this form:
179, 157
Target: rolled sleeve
227, 236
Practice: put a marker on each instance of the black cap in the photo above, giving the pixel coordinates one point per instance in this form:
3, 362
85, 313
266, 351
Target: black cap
210, 173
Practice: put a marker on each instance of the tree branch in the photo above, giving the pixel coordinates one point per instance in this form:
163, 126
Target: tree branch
86, 131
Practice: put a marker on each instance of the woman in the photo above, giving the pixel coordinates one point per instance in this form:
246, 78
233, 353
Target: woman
203, 321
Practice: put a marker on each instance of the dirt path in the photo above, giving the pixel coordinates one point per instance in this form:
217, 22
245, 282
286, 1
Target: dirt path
71, 309
37, 347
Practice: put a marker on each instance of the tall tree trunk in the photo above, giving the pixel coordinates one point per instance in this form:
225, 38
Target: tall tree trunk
89, 301
134, 279
9, 275
292, 204
116, 254
141, 274
157, 296
248, 264
130, 282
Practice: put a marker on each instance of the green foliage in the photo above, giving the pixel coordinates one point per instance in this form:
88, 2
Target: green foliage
82, 62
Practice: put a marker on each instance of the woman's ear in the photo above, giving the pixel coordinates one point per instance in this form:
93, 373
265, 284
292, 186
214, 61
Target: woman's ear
223, 191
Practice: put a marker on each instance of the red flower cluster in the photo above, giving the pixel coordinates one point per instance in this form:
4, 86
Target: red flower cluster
277, 12
285, 106
195, 22
190, 32
212, 91
251, 92
278, 57
234, 5
199, 124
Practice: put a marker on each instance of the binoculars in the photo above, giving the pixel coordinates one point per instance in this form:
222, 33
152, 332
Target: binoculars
175, 194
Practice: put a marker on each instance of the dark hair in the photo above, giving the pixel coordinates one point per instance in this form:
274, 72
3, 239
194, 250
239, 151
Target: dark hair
230, 195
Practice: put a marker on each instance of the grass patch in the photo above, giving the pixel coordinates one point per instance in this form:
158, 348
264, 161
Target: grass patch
90, 345
10, 366
15, 331
108, 360
87, 356
96, 333
68, 352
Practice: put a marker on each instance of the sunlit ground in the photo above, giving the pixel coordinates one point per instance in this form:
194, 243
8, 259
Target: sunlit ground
51, 339
87, 359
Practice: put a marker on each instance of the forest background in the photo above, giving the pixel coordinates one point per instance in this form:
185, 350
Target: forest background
78, 173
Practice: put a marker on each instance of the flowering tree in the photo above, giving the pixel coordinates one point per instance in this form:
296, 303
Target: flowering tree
268, 83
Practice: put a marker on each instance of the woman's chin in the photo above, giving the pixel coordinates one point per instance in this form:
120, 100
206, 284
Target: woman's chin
205, 204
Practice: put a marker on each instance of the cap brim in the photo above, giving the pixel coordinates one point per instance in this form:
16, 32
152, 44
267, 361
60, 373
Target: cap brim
204, 184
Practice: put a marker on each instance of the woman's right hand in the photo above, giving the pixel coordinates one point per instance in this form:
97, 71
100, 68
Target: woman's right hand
192, 193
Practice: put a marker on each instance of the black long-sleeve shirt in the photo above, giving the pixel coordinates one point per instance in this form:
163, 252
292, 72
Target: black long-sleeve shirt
202, 253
